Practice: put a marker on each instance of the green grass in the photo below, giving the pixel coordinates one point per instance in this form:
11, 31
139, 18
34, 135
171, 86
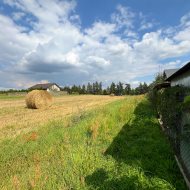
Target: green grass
11, 97
119, 147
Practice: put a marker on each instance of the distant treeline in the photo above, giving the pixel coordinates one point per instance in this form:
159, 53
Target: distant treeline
13, 91
116, 89
96, 88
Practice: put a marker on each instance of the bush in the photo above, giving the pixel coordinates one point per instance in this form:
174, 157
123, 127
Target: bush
186, 103
169, 106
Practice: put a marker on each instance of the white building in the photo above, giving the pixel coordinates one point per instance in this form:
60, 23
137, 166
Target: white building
47, 86
181, 76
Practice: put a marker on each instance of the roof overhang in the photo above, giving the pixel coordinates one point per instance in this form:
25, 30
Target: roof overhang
184, 69
162, 85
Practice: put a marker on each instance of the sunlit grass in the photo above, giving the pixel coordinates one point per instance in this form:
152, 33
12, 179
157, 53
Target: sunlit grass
16, 118
117, 146
11, 97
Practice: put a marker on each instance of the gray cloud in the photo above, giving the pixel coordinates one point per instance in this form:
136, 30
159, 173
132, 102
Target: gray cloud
58, 50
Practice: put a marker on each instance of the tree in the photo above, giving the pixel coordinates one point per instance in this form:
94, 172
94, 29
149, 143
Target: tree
83, 90
112, 88
104, 92
119, 89
89, 88
68, 89
145, 88
96, 88
79, 89
108, 90
127, 89
100, 88
158, 79
74, 89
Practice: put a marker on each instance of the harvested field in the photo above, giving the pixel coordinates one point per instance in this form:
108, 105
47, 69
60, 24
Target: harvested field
16, 118
116, 146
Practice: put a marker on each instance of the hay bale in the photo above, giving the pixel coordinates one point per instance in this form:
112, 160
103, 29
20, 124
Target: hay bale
38, 99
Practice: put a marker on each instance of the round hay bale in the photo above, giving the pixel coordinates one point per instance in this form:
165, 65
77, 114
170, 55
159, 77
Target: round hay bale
38, 99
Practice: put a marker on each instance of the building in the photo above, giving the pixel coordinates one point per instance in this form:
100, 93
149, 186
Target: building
168, 72
180, 77
46, 86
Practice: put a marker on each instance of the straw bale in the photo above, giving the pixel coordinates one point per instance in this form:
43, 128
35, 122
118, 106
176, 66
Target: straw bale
38, 99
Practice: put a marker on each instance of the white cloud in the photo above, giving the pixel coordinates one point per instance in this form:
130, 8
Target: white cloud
72, 58
146, 25
56, 48
99, 61
124, 17
100, 30
185, 20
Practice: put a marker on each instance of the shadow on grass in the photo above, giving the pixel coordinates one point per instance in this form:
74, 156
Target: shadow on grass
99, 180
140, 145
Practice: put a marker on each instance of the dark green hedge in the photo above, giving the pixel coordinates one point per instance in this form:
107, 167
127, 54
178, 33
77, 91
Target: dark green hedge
169, 104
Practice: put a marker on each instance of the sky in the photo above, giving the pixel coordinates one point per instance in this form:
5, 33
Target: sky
79, 41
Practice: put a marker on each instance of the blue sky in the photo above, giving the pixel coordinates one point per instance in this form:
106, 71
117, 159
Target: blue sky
167, 12
74, 42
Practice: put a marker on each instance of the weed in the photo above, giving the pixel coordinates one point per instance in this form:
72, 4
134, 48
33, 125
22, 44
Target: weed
30, 137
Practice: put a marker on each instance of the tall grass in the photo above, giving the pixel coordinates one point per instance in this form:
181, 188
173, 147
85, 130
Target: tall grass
118, 146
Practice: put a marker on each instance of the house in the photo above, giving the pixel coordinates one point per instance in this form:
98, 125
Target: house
180, 77
46, 86
168, 72
175, 77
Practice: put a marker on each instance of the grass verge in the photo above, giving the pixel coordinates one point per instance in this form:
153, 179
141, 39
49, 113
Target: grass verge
118, 146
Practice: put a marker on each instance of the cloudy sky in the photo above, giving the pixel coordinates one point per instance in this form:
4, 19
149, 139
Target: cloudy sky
73, 42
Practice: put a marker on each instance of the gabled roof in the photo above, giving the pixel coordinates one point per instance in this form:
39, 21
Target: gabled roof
184, 69
43, 86
169, 72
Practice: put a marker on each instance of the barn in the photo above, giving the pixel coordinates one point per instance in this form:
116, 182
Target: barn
181, 76
47, 86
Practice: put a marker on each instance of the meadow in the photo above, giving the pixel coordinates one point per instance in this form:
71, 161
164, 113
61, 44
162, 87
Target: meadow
86, 142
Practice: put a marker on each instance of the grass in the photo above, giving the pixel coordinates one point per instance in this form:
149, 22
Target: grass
118, 146
16, 118
10, 97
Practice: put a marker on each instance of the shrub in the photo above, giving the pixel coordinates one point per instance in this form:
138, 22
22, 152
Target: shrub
186, 103
168, 104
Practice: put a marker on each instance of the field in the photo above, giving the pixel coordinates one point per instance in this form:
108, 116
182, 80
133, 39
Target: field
85, 142
16, 118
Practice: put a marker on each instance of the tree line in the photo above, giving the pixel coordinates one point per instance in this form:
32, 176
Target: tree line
114, 88
97, 89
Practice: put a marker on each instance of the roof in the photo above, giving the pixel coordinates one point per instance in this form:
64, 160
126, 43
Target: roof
184, 69
43, 86
169, 72
162, 85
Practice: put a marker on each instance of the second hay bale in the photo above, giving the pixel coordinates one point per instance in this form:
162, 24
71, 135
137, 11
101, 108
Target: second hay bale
38, 99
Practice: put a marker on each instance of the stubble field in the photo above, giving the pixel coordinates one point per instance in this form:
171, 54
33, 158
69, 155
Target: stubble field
16, 118
85, 143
